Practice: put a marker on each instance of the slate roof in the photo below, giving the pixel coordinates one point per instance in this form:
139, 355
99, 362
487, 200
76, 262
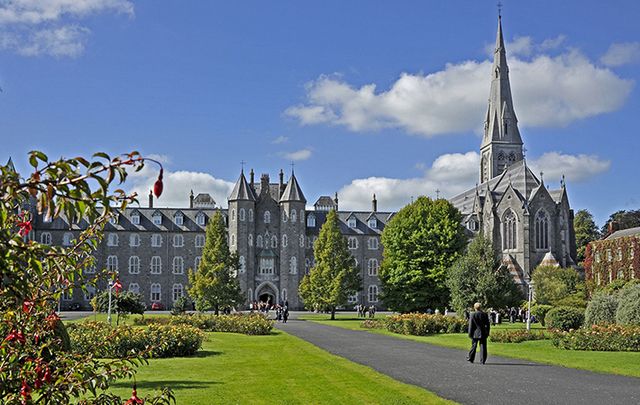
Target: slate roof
362, 224
292, 192
242, 190
624, 232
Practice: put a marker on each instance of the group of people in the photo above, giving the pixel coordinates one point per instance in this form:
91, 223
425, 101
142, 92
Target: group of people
363, 309
282, 313
282, 309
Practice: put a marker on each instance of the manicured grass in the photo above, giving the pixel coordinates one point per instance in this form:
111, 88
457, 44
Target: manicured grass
279, 368
542, 351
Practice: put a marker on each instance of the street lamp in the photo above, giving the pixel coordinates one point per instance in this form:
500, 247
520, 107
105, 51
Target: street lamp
529, 306
111, 286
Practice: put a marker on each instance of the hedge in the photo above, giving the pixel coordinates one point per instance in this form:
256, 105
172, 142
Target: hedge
628, 311
516, 336
540, 312
564, 318
610, 338
425, 324
248, 324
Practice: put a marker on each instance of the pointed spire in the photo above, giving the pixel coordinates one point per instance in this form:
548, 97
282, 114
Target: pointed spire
10, 165
242, 191
292, 192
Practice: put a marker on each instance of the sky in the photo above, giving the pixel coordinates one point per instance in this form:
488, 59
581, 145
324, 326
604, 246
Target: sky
362, 97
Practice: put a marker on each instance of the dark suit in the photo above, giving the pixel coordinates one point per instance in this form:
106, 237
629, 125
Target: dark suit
479, 327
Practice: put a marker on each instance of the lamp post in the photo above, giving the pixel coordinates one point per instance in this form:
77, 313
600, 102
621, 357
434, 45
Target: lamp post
111, 286
529, 305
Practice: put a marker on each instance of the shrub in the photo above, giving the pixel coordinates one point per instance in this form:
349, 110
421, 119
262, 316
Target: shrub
516, 336
601, 309
373, 324
600, 337
248, 324
540, 311
424, 324
122, 304
180, 306
102, 340
564, 318
628, 311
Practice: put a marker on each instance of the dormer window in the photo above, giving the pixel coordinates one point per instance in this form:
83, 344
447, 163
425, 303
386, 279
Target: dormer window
352, 222
113, 220
157, 218
178, 218
311, 221
200, 219
373, 223
135, 218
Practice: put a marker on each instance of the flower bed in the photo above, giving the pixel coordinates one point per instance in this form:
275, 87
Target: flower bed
425, 324
608, 338
102, 340
248, 324
516, 336
373, 324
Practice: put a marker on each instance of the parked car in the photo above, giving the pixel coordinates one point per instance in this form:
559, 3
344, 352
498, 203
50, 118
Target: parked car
74, 306
157, 306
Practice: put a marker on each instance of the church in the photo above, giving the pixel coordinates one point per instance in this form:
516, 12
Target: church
273, 230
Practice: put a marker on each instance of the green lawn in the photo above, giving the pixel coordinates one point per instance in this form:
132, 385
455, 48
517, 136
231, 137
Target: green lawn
542, 351
279, 368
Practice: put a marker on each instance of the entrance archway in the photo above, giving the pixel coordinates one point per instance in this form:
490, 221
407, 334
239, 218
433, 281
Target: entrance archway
267, 298
267, 292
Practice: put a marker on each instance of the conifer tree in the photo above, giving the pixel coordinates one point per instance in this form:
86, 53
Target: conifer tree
214, 284
335, 275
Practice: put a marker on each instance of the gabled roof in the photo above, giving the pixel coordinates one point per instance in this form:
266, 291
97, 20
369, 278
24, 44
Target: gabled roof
624, 232
292, 192
242, 190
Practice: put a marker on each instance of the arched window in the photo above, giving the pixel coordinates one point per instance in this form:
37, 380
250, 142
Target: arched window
134, 265
301, 241
352, 242
233, 214
542, 230
293, 216
311, 221
241, 214
156, 240
259, 241
285, 241
199, 242
250, 214
156, 265
67, 238
200, 219
112, 239
509, 230
249, 295
373, 293
233, 239
156, 292
243, 264
178, 292
250, 240
134, 240
112, 263
45, 238
373, 243
283, 294
178, 241
274, 241
267, 217
293, 265
178, 265
134, 288
284, 216
372, 267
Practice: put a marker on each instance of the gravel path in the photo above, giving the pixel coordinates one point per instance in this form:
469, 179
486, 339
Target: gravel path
445, 372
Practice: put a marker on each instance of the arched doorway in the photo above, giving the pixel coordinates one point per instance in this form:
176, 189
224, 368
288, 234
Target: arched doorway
267, 298
267, 293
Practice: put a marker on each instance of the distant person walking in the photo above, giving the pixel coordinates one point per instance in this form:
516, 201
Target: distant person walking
479, 327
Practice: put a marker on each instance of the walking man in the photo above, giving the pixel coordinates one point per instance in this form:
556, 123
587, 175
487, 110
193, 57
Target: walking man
479, 327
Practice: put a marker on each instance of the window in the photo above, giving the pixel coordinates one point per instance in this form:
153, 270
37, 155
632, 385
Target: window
196, 263
311, 221
89, 292
157, 218
597, 257
608, 255
267, 217
134, 288
156, 265
283, 294
302, 216
542, 230
200, 219
372, 267
509, 231
620, 274
112, 263
178, 218
67, 295
135, 219
285, 241
250, 214
134, 240
619, 255
112, 239
243, 264
178, 241
114, 219
373, 293
250, 240
259, 241
233, 239
178, 292
307, 265
301, 241
352, 298
67, 239
293, 216
199, 241
233, 214
352, 222
293, 265
178, 265
266, 265
249, 295
352, 242
242, 214
284, 216
134, 265
45, 238
274, 242
373, 223
373, 243
156, 240
156, 292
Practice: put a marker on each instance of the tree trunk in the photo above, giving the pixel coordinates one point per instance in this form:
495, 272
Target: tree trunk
217, 309
333, 313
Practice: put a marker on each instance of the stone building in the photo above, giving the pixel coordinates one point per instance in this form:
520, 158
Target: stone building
616, 257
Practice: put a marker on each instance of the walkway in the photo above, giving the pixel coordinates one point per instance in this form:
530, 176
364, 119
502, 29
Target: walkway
445, 372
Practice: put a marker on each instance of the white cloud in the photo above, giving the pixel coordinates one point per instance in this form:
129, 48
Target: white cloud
302, 154
452, 174
620, 54
548, 91
280, 139
51, 27
575, 167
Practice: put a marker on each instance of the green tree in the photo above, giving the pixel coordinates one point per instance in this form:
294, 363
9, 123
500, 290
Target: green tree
477, 276
335, 275
420, 243
214, 284
624, 219
586, 231
122, 303
558, 286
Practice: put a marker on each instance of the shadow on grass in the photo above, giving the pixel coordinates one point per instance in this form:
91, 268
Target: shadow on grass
206, 353
174, 384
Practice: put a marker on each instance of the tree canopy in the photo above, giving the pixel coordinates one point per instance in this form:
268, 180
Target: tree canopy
586, 231
334, 276
477, 276
558, 286
624, 219
214, 284
420, 243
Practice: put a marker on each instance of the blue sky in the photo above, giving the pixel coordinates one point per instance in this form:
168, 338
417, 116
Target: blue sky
365, 96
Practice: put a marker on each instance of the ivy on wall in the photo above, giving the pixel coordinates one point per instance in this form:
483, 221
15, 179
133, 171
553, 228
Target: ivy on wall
608, 260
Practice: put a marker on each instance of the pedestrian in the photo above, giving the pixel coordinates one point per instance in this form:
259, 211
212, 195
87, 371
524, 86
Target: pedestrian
285, 314
479, 327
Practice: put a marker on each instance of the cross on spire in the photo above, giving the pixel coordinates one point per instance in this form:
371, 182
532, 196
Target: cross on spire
437, 194
292, 164
499, 9
242, 163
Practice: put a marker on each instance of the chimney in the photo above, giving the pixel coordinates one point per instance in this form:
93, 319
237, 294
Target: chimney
150, 199
191, 199
374, 204
613, 227
264, 184
281, 181
251, 179
335, 200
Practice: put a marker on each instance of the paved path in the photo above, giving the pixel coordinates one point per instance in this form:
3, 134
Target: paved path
445, 372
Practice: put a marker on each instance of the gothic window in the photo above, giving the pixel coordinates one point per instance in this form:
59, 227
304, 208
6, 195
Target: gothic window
352, 298
542, 230
178, 292
501, 156
284, 216
293, 265
250, 240
233, 240
156, 265
241, 214
274, 241
243, 264
157, 218
233, 214
352, 242
267, 217
67, 238
283, 294
156, 292
134, 265
134, 288
112, 239
199, 242
372, 267
311, 221
293, 216
45, 238
250, 295
134, 240
250, 215
259, 241
619, 254
178, 218
285, 241
156, 240
178, 241
200, 219
302, 216
266, 265
178, 265
509, 232
512, 157
373, 293
112, 263
373, 243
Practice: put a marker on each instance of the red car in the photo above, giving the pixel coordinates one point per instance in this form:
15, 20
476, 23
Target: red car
157, 306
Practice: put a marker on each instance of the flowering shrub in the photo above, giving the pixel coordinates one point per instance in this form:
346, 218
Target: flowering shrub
564, 318
248, 324
516, 336
373, 324
425, 324
601, 338
101, 340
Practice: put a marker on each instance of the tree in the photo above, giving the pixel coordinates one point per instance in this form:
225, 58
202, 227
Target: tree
420, 243
334, 276
558, 286
122, 303
214, 283
586, 231
477, 276
624, 219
